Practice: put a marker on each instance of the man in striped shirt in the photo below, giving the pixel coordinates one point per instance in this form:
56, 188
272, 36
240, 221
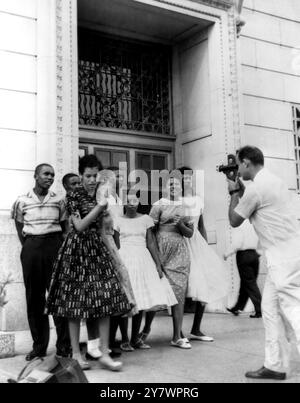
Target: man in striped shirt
40, 219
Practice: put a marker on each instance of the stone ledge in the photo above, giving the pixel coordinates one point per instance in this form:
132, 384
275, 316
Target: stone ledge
225, 4
14, 316
7, 344
10, 250
7, 225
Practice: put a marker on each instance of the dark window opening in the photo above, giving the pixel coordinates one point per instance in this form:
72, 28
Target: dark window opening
123, 84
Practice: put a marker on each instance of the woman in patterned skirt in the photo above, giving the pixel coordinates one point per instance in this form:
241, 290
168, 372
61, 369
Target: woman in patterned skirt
84, 283
208, 280
172, 227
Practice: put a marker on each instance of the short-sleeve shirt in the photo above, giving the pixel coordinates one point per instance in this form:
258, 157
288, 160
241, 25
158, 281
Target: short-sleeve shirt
39, 217
133, 231
165, 211
267, 203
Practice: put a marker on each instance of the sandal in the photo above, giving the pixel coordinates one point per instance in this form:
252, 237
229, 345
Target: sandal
127, 347
181, 343
140, 345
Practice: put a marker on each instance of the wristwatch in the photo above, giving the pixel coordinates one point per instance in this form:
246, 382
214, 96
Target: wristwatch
232, 192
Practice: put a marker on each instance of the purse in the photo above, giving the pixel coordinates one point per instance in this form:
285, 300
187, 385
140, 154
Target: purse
51, 370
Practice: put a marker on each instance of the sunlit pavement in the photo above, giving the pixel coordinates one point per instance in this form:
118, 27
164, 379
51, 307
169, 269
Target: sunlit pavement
238, 348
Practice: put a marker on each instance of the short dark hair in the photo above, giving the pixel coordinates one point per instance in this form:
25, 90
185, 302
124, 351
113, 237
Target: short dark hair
138, 195
89, 161
40, 167
254, 154
66, 178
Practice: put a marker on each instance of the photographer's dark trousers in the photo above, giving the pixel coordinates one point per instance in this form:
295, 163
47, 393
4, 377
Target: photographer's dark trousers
248, 266
37, 257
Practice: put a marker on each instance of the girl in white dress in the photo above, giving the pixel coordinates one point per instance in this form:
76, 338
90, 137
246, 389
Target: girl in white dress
208, 280
141, 258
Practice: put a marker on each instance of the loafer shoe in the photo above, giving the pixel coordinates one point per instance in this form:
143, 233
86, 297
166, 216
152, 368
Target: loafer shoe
108, 363
34, 354
265, 373
233, 312
256, 316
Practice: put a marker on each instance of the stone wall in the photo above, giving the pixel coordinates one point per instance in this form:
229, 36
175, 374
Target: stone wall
18, 132
271, 84
38, 119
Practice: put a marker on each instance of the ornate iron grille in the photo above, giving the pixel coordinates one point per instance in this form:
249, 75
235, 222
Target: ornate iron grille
123, 85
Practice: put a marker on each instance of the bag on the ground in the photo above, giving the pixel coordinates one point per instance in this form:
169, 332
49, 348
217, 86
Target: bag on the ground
52, 370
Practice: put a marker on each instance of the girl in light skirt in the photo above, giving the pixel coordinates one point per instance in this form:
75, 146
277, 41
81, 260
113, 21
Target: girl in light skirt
138, 251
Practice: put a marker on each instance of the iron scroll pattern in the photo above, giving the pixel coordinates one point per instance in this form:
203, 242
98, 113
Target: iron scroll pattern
124, 85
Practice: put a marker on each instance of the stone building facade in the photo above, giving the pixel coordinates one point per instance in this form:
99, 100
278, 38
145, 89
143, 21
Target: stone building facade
155, 83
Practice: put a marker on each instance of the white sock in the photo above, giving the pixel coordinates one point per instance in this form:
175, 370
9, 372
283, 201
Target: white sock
93, 348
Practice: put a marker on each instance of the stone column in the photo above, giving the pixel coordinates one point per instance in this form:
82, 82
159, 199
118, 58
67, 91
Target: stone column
57, 111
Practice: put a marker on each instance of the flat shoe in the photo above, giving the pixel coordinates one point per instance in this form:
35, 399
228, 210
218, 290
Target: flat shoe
140, 345
205, 339
233, 312
108, 363
256, 316
127, 347
91, 357
265, 373
84, 365
33, 355
181, 343
115, 354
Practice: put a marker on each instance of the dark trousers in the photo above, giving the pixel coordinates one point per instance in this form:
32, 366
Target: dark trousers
37, 257
248, 266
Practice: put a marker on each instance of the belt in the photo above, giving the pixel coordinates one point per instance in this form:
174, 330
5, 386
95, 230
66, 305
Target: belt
169, 229
87, 230
247, 250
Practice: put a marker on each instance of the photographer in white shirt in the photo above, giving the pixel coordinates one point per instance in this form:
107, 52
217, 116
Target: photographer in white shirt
267, 203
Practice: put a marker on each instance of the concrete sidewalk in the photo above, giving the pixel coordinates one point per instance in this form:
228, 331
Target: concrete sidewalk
238, 347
